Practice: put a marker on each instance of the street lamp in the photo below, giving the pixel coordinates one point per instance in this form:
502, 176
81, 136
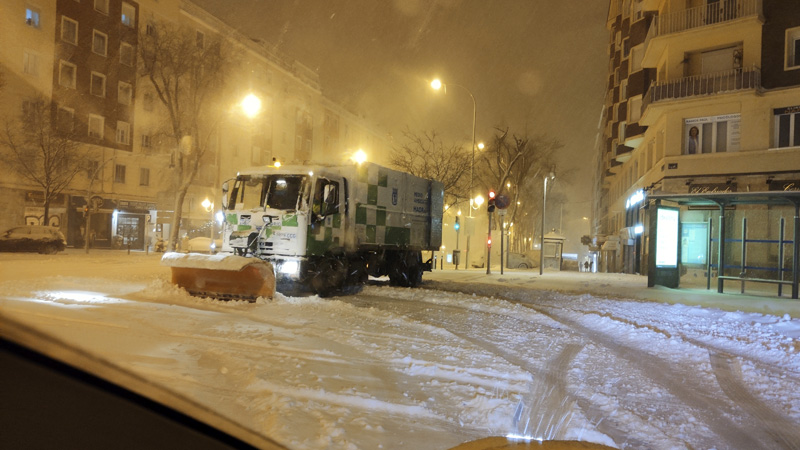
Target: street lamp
251, 105
208, 205
550, 176
436, 85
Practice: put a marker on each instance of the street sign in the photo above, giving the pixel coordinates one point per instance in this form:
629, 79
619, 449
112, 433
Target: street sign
502, 201
95, 203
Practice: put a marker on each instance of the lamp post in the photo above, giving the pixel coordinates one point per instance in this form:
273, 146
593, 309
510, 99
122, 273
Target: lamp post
550, 176
208, 205
437, 84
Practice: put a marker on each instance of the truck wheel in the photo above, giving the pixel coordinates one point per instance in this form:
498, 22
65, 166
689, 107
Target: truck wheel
329, 276
406, 271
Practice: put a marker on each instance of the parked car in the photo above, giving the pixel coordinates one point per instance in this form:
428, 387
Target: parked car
202, 245
33, 238
519, 261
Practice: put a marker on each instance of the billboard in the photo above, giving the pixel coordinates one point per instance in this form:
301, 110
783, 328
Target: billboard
668, 220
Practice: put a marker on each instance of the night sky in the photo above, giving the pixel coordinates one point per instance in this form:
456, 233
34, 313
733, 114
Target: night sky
535, 66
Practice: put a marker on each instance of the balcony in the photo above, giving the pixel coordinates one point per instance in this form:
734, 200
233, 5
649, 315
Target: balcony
721, 12
701, 16
725, 82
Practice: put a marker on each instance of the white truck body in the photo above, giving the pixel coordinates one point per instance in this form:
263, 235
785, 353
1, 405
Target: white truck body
341, 222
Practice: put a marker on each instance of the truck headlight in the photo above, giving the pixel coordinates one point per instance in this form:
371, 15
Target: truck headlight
289, 267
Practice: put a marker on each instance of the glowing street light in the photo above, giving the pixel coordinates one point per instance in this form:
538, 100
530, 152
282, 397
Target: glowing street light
251, 105
360, 156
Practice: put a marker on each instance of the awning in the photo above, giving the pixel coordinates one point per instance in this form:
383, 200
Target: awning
731, 198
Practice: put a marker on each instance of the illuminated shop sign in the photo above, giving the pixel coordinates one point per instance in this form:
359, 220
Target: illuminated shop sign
634, 199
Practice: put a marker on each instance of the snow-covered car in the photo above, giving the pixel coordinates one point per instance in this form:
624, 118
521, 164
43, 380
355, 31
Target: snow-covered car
519, 261
202, 244
33, 238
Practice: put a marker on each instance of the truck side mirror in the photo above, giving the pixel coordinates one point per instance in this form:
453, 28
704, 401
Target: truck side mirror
225, 195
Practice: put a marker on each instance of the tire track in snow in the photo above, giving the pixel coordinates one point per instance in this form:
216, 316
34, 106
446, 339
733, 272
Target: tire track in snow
728, 372
744, 435
549, 402
681, 384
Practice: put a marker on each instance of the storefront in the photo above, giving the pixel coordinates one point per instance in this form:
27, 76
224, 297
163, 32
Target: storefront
98, 213
132, 224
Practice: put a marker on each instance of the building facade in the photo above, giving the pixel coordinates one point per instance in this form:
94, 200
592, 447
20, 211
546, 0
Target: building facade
703, 97
81, 58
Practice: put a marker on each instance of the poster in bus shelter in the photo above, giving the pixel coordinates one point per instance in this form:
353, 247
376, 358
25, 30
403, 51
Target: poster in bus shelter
667, 237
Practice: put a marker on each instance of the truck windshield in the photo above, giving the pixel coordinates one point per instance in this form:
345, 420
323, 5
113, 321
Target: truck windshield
270, 191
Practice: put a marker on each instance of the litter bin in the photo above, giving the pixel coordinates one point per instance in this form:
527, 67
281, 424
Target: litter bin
456, 257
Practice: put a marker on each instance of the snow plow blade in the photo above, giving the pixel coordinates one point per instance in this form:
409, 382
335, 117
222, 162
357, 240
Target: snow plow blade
227, 277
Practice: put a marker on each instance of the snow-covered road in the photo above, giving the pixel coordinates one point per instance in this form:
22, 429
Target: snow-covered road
429, 368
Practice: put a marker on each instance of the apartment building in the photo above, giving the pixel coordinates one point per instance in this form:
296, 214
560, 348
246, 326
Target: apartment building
703, 98
82, 58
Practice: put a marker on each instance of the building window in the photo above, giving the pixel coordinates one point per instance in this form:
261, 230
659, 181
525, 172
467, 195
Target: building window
123, 133
635, 109
67, 74
101, 6
787, 127
637, 54
124, 93
32, 17
92, 170
148, 101
119, 173
126, 54
200, 39
31, 109
715, 134
65, 119
623, 90
626, 47
146, 141
793, 48
96, 125
30, 63
622, 127
144, 176
69, 30
99, 43
98, 84
128, 15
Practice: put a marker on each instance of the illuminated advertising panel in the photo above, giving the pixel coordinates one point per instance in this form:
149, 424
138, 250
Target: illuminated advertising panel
667, 237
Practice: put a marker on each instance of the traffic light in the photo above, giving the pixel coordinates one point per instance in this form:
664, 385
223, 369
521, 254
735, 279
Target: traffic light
491, 201
457, 226
489, 242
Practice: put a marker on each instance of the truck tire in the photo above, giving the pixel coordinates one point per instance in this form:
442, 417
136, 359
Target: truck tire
406, 269
329, 276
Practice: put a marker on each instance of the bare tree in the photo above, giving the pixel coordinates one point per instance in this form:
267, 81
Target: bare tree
426, 155
41, 150
520, 161
187, 72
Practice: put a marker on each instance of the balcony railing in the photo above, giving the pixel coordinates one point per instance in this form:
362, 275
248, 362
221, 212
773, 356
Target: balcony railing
700, 85
710, 14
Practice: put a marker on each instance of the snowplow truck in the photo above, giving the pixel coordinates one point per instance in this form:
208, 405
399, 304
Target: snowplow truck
326, 228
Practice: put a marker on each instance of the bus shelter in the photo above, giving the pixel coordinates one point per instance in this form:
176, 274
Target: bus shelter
739, 237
